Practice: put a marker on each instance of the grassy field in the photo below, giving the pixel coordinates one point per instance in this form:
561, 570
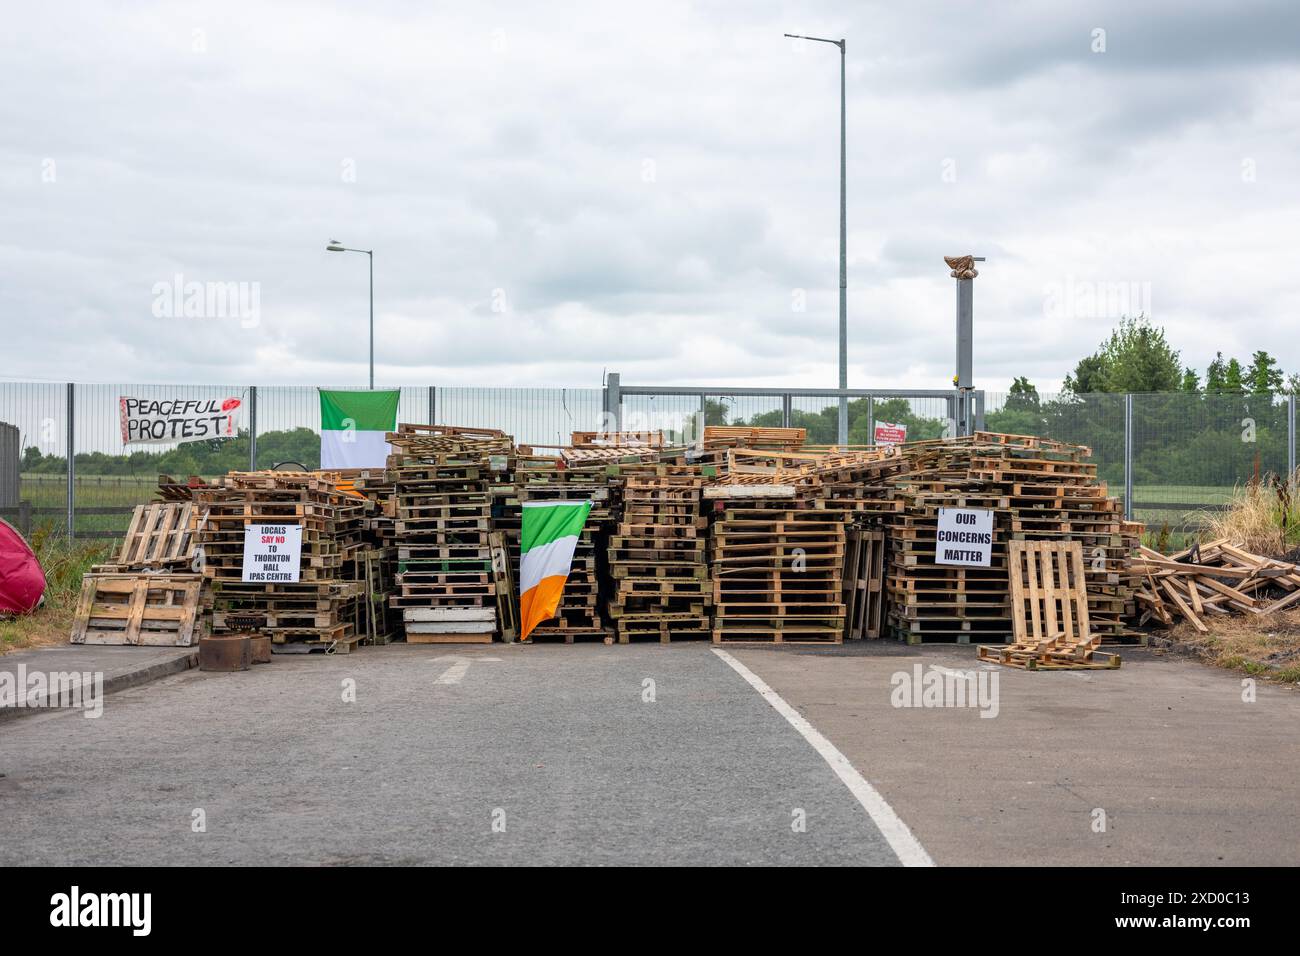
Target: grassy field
90, 491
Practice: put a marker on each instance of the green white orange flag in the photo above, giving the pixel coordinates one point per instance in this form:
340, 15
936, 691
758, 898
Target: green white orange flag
550, 534
354, 428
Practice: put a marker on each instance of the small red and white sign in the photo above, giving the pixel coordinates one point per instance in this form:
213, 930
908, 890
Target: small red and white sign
888, 433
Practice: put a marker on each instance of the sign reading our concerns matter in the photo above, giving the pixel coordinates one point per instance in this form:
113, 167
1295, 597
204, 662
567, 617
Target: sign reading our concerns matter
272, 553
965, 537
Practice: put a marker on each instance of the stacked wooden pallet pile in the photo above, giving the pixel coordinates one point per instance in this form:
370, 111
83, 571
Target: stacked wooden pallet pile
149, 594
323, 609
446, 585
548, 478
1037, 490
379, 556
657, 558
1211, 579
777, 566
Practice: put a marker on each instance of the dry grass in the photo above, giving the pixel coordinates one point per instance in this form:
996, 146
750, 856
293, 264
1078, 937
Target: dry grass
1263, 516
1265, 646
51, 623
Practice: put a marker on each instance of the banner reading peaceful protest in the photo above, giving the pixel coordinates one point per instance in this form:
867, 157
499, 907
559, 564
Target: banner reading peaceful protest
166, 421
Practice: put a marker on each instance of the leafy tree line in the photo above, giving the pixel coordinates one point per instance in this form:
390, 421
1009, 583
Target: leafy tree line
214, 457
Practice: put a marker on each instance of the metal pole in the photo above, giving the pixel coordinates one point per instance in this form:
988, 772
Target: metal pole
979, 410
252, 428
433, 405
843, 430
786, 411
1291, 435
371, 254
871, 420
615, 400
72, 461
844, 266
1128, 457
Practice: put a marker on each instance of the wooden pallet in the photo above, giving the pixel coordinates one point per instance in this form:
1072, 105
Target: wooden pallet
147, 609
160, 537
864, 573
1049, 611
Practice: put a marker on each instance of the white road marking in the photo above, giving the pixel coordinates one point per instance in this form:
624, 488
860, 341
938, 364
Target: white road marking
906, 847
454, 673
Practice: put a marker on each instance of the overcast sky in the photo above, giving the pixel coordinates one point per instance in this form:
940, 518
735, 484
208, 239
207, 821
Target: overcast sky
554, 190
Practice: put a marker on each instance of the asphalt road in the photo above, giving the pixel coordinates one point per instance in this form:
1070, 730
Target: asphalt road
562, 750
558, 746
1183, 770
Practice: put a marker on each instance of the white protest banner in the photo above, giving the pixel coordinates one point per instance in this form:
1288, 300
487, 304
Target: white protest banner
273, 552
965, 537
887, 433
164, 421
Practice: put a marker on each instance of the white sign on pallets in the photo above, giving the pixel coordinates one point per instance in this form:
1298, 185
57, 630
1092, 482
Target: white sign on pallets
272, 553
965, 537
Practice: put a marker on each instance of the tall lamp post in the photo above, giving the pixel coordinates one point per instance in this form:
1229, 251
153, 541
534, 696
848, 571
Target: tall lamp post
336, 246
844, 271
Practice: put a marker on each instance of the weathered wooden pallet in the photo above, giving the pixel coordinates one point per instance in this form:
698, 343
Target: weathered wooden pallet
1049, 616
148, 609
160, 535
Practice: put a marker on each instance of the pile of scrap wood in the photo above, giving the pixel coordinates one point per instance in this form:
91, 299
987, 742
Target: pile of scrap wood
324, 608
1211, 579
149, 594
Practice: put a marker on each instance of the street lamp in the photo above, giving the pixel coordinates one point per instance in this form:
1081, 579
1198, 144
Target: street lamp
844, 271
336, 246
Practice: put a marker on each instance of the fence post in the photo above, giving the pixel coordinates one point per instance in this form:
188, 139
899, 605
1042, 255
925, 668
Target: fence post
252, 428
1128, 456
979, 410
614, 400
1290, 435
786, 412
871, 419
72, 461
433, 404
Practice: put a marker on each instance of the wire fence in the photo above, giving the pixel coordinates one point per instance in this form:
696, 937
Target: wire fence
1170, 457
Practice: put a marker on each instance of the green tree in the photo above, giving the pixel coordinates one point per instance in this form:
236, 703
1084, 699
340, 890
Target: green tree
1136, 357
1233, 382
1264, 377
1191, 381
1022, 396
1216, 376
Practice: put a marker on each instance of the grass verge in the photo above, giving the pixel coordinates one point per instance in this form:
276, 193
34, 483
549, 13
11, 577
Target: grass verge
51, 623
1267, 647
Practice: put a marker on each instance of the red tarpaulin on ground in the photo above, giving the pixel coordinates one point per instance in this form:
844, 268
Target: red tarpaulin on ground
22, 582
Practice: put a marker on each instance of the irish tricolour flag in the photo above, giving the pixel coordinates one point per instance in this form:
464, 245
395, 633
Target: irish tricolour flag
550, 533
353, 426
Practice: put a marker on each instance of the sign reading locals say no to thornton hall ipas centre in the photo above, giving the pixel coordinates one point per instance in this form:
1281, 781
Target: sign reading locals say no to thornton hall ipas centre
272, 552
965, 537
